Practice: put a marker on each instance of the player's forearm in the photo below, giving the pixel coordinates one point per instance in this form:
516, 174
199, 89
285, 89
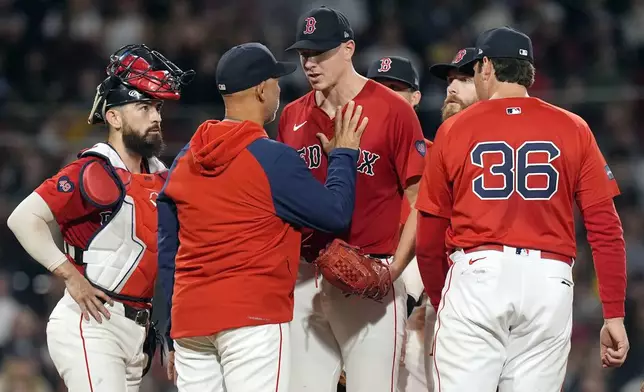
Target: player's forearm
329, 209
29, 222
606, 239
430, 253
406, 249
340, 194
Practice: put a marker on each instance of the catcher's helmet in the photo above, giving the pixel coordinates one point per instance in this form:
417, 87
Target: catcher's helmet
136, 73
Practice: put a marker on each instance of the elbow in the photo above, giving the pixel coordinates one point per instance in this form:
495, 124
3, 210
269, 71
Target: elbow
337, 225
339, 221
13, 220
343, 222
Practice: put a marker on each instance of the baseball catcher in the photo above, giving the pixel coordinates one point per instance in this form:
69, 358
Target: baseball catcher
105, 205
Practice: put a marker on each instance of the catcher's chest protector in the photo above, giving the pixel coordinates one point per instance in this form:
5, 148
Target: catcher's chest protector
122, 255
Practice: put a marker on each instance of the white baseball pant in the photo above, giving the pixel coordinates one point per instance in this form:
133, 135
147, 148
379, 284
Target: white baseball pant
93, 357
505, 320
412, 279
330, 330
243, 359
416, 360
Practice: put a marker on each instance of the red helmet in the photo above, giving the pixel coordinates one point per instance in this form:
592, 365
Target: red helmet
137, 73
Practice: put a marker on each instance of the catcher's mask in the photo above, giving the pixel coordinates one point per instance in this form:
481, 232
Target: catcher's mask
135, 74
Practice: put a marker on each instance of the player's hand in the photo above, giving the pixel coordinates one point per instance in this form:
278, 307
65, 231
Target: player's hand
613, 342
172, 371
348, 129
87, 297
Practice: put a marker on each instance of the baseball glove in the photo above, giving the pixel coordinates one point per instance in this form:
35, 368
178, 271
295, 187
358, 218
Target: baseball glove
353, 272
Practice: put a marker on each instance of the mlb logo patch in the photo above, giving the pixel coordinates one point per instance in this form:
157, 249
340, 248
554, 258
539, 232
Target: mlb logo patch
523, 52
512, 111
421, 147
221, 87
609, 173
64, 185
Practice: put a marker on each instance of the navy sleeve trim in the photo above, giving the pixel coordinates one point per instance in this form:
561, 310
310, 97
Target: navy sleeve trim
168, 245
168, 235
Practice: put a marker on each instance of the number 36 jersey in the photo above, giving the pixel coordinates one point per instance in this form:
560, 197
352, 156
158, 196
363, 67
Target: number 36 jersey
507, 171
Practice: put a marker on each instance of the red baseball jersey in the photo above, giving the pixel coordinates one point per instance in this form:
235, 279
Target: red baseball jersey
507, 171
79, 220
392, 153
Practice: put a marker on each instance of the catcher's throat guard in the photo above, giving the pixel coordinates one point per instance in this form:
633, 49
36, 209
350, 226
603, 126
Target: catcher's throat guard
137, 73
349, 269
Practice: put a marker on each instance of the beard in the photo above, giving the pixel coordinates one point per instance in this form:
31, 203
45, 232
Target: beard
148, 145
451, 106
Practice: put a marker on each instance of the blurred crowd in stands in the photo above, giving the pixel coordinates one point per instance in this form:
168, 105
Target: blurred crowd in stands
589, 56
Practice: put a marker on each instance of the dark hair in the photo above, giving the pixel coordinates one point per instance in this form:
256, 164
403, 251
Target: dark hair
513, 71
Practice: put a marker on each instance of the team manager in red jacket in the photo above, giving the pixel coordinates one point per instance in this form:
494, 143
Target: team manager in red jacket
229, 219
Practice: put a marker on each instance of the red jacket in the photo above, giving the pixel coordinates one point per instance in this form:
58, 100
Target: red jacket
228, 221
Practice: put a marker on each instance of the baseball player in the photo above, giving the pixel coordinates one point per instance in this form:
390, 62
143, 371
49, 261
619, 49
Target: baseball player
105, 206
403, 79
230, 218
329, 330
460, 83
503, 177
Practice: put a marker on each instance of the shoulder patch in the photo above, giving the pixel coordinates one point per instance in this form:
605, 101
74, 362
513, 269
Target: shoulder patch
421, 147
65, 185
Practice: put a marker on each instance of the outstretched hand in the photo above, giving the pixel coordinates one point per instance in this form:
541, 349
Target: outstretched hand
348, 129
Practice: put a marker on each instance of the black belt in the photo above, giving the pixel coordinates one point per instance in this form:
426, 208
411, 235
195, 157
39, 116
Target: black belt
377, 256
139, 316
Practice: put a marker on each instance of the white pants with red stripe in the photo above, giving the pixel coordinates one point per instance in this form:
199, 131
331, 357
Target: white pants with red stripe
505, 321
93, 357
244, 359
330, 330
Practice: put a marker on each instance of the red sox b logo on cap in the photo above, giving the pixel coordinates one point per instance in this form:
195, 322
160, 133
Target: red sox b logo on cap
309, 28
385, 65
459, 56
